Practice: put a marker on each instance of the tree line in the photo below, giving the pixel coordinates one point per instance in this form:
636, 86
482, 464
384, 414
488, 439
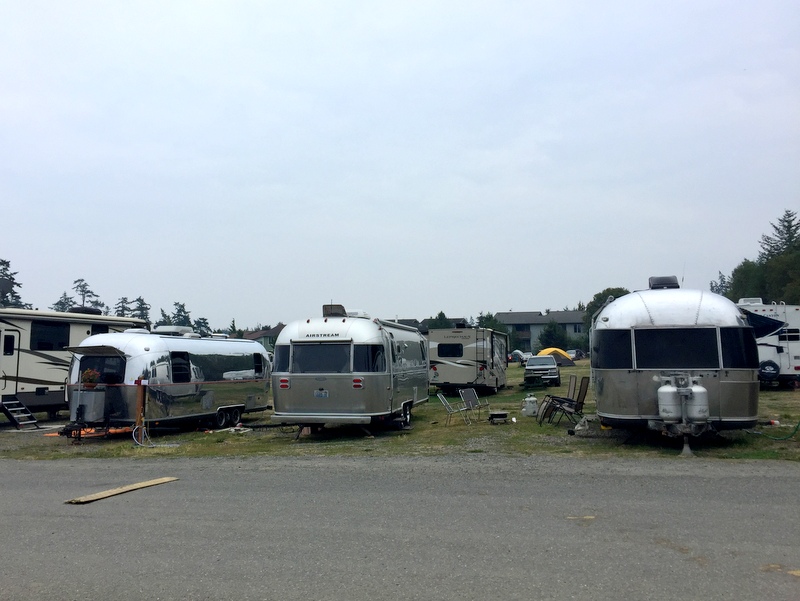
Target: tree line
774, 275
84, 296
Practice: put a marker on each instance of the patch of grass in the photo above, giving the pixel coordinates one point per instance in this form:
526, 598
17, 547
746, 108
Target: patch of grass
430, 436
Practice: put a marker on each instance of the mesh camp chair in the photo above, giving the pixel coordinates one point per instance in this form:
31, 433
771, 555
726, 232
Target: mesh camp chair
471, 400
572, 408
452, 408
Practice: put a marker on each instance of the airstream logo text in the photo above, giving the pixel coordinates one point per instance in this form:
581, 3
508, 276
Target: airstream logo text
322, 335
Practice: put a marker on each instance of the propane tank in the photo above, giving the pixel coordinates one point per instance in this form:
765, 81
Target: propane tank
530, 407
669, 403
697, 404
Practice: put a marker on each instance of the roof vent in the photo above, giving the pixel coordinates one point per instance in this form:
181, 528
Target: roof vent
172, 330
663, 282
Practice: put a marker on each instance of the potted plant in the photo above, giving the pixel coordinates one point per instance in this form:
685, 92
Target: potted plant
89, 377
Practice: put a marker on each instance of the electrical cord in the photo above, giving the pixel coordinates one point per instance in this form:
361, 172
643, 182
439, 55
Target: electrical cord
796, 428
146, 436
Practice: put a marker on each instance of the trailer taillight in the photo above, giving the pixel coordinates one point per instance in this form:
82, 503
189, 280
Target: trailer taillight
358, 382
481, 368
283, 383
433, 368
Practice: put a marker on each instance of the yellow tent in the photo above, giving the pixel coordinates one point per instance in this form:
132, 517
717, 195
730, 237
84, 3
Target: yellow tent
562, 358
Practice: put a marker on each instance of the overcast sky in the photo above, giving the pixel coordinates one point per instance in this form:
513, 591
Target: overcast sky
255, 160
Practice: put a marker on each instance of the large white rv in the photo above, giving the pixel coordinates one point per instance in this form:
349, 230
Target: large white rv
345, 368
468, 358
778, 346
34, 361
186, 377
679, 361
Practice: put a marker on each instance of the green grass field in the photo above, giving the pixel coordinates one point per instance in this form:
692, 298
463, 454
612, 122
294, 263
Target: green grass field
430, 436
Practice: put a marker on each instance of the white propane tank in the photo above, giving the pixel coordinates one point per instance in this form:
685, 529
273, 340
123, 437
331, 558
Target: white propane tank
530, 406
669, 404
697, 404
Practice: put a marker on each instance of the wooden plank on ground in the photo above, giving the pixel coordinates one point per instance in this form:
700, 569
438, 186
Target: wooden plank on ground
118, 491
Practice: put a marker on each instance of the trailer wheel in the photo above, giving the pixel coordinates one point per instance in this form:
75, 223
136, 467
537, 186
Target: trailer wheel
768, 371
220, 419
235, 415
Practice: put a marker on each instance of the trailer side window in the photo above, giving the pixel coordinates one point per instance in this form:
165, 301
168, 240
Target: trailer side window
789, 335
281, 358
739, 349
49, 335
258, 364
8, 344
99, 328
451, 350
181, 368
676, 348
611, 349
326, 357
369, 357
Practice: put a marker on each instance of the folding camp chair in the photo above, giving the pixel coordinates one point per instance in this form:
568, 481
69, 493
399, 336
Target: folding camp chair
457, 407
471, 400
573, 381
572, 408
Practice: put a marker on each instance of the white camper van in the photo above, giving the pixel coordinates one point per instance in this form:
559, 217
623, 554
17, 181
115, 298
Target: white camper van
34, 361
778, 346
346, 368
186, 377
468, 358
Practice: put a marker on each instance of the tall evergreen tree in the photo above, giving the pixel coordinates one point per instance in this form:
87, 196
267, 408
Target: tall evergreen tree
785, 238
8, 282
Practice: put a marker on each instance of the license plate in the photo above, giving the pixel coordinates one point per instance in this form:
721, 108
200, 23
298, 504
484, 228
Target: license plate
321, 394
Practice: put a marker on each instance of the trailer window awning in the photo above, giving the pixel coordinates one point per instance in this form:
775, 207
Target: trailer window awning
763, 325
95, 351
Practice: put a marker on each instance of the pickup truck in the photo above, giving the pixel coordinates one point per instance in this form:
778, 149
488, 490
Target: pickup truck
542, 369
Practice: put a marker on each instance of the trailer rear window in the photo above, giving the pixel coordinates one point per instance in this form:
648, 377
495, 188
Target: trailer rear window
611, 349
677, 348
739, 349
369, 357
450, 350
325, 357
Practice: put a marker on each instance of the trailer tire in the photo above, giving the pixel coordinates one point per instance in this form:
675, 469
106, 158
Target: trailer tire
768, 371
221, 419
235, 415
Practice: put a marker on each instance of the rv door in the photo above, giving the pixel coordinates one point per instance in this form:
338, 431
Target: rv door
9, 361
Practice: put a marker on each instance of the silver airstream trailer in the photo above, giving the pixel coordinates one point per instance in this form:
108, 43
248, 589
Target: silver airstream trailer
345, 368
185, 377
680, 361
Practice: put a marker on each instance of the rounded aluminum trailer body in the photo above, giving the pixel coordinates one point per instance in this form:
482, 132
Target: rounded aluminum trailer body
646, 341
185, 377
347, 370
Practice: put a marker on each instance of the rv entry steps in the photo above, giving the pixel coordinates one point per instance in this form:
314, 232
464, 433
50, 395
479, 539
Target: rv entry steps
17, 413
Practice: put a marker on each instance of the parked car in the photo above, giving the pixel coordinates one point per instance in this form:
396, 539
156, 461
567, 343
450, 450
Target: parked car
519, 356
542, 370
576, 354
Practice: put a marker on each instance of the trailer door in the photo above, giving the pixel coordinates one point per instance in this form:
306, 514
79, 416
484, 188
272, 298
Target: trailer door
9, 361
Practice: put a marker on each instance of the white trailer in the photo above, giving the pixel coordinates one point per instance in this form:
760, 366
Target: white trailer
346, 368
468, 358
778, 346
184, 378
34, 360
